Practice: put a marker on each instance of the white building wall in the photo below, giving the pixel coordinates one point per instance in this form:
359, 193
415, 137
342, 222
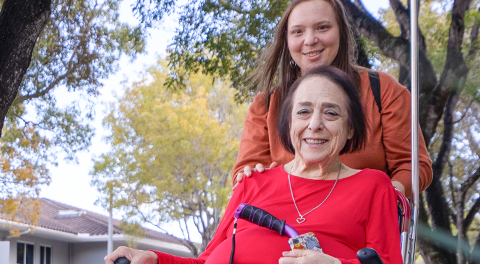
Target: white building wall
77, 252
59, 249
91, 252
4, 252
94, 252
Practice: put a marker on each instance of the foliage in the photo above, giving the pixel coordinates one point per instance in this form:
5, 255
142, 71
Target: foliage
224, 38
133, 231
79, 47
172, 152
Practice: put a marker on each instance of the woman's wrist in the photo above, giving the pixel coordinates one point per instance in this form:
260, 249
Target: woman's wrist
399, 186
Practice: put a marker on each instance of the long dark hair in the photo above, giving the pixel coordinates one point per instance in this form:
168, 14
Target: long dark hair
274, 62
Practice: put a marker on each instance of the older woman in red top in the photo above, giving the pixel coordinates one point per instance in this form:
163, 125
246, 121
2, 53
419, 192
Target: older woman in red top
347, 209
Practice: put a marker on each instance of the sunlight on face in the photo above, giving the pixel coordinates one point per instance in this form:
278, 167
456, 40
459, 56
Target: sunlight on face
320, 125
313, 34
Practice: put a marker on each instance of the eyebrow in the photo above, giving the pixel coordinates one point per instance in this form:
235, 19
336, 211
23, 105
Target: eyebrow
304, 103
316, 24
326, 104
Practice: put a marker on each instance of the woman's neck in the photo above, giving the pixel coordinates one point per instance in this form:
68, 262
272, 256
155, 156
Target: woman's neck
318, 171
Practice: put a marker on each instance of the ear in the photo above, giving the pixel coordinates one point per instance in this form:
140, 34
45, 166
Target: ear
350, 131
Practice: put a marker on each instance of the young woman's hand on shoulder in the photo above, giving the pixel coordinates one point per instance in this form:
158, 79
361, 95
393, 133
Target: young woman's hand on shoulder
247, 171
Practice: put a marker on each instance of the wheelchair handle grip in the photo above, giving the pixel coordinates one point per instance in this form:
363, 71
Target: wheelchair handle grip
369, 256
122, 260
260, 217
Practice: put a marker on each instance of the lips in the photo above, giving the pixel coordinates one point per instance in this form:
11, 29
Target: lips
315, 141
312, 53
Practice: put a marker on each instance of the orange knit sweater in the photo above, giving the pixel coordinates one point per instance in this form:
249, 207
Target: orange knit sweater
388, 136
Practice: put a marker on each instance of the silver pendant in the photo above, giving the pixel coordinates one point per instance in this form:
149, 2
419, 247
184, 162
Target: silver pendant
300, 220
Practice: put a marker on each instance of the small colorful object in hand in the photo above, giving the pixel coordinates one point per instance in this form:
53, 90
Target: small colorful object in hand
305, 241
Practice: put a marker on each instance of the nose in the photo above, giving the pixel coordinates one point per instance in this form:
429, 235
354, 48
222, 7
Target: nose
316, 122
310, 38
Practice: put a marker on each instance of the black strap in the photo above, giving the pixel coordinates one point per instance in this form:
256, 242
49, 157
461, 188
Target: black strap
375, 85
233, 241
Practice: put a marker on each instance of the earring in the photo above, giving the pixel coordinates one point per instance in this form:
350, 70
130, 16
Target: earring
293, 64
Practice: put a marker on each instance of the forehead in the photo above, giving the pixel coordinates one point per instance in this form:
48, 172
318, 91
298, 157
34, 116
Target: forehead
311, 11
319, 89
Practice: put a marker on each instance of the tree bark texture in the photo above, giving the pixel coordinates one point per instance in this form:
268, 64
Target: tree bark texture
455, 71
21, 22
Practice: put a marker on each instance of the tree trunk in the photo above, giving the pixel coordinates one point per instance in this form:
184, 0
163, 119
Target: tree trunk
21, 22
438, 208
424, 247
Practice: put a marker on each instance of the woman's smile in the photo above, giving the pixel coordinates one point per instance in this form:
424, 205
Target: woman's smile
313, 53
315, 141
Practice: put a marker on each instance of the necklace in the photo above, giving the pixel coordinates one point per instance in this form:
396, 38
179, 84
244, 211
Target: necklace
301, 219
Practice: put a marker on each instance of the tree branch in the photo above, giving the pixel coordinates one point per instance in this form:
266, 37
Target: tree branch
403, 18
462, 223
393, 47
402, 15
435, 197
188, 242
471, 214
360, 5
474, 46
466, 185
455, 71
21, 99
464, 113
147, 220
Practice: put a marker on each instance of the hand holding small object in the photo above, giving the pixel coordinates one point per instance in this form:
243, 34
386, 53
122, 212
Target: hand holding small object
307, 256
126, 255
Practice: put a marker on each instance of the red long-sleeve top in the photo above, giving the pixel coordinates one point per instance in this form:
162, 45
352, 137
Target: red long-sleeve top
355, 215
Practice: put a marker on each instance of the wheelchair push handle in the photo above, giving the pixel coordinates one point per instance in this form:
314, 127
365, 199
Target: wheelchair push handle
122, 260
263, 218
369, 256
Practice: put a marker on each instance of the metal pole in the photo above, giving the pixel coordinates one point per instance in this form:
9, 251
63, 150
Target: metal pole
110, 224
415, 93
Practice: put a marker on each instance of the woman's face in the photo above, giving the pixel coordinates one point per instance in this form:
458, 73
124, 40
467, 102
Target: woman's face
313, 35
320, 124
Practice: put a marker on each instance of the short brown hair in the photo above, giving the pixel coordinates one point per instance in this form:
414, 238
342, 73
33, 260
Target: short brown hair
356, 117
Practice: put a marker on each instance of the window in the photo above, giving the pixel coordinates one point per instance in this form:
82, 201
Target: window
45, 255
24, 253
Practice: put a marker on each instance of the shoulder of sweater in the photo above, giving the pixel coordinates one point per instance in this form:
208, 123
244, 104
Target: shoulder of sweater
387, 78
384, 77
257, 107
379, 176
389, 86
